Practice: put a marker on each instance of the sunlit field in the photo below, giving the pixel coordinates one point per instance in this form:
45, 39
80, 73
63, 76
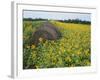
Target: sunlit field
73, 49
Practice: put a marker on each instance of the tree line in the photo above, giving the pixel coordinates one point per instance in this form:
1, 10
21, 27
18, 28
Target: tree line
78, 21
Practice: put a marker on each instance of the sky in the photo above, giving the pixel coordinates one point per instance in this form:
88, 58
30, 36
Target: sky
56, 15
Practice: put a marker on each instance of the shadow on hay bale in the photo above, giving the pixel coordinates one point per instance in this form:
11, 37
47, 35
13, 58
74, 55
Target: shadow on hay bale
47, 32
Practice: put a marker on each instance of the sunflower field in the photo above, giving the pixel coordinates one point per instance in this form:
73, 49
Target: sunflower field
72, 50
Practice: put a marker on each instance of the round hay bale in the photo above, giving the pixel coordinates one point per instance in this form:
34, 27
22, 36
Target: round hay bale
47, 32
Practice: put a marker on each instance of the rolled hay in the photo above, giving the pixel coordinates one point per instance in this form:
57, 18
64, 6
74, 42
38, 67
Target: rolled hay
46, 32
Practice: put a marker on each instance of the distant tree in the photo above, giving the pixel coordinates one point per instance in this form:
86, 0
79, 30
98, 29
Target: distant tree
78, 21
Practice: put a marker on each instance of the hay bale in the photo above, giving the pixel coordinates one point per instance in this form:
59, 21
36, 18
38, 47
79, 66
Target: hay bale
47, 32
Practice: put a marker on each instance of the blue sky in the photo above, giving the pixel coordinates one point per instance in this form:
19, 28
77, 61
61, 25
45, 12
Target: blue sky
56, 15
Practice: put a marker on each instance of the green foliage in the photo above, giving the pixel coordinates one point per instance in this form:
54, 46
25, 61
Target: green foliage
72, 50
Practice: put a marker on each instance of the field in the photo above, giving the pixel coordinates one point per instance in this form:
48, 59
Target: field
72, 50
